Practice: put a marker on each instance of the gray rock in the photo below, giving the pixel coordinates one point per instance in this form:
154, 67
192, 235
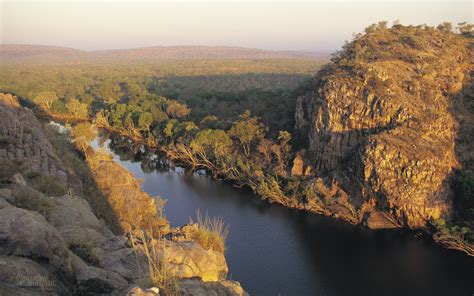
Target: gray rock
25, 233
6, 194
26, 274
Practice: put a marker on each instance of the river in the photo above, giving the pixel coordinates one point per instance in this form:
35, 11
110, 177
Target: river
272, 250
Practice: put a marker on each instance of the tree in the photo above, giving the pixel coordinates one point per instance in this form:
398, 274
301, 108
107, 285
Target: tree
76, 108
144, 121
176, 110
213, 142
86, 98
158, 115
465, 29
170, 128
128, 120
247, 130
45, 99
445, 27
117, 111
83, 134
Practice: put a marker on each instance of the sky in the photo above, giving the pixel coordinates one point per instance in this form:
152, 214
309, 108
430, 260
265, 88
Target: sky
315, 26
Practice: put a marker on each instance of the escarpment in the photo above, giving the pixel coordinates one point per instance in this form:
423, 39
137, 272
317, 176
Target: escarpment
66, 229
382, 123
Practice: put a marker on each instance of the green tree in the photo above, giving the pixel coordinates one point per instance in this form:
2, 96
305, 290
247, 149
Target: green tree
117, 111
144, 121
247, 130
213, 142
45, 99
86, 98
76, 108
170, 128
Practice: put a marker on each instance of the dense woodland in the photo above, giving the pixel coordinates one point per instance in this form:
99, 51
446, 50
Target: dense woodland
218, 88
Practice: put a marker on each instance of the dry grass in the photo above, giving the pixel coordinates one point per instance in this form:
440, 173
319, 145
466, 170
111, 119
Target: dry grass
158, 275
212, 232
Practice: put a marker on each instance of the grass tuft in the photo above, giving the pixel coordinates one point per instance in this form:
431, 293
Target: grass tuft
212, 232
158, 273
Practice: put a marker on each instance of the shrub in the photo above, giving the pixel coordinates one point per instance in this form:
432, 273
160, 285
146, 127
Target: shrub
32, 200
212, 232
48, 185
85, 251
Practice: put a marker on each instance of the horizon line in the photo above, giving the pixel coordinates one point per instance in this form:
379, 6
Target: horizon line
173, 46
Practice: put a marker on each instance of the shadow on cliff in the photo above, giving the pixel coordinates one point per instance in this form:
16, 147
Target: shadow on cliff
462, 177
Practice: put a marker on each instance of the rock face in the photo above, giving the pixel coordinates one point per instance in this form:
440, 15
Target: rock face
24, 144
56, 245
380, 123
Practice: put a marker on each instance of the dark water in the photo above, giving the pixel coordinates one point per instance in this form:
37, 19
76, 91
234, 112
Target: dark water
277, 251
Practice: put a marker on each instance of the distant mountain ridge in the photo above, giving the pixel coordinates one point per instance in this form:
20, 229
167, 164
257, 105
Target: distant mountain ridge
41, 52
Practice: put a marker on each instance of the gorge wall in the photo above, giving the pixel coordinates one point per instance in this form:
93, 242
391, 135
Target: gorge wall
389, 120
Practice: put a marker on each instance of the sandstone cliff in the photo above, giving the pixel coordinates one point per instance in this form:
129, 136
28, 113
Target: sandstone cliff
384, 127
55, 225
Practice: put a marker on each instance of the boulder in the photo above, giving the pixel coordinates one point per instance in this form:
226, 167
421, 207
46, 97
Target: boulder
28, 234
187, 259
27, 274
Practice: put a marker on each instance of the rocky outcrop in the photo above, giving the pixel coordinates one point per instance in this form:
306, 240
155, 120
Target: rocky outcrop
380, 124
188, 259
55, 244
24, 146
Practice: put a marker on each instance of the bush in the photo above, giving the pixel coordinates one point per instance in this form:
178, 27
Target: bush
32, 200
48, 185
85, 251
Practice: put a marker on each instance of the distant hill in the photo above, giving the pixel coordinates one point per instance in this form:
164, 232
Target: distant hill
16, 52
44, 53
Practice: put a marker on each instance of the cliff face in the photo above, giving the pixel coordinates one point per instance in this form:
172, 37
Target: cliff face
380, 123
55, 238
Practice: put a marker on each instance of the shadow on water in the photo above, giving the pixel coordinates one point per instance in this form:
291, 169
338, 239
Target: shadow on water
273, 250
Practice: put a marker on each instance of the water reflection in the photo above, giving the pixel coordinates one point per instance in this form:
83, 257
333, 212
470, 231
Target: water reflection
273, 250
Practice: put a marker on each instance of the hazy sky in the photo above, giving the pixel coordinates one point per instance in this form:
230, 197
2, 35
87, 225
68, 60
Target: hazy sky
314, 26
